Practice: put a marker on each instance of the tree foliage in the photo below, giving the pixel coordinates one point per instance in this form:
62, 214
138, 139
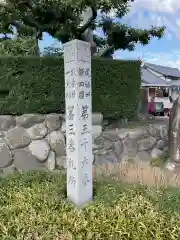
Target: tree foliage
18, 46
62, 20
15, 41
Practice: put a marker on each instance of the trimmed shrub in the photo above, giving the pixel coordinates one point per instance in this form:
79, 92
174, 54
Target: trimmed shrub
33, 84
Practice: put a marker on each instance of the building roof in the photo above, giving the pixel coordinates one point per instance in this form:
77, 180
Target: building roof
175, 83
149, 79
166, 71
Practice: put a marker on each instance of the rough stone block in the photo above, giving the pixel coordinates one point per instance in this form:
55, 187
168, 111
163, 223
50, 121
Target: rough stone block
40, 149
146, 143
97, 118
53, 122
25, 161
6, 158
37, 131
7, 122
51, 161
28, 120
17, 137
56, 140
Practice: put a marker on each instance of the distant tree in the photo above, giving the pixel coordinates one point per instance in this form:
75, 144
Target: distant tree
53, 51
62, 19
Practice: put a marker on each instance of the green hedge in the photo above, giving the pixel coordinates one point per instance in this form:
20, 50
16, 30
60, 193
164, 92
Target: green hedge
33, 84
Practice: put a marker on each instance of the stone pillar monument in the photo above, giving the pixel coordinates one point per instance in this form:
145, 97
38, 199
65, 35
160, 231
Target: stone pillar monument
77, 70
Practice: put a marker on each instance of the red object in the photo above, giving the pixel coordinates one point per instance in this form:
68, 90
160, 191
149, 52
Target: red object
152, 107
166, 111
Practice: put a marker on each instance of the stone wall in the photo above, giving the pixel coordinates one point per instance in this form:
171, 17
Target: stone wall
142, 143
33, 142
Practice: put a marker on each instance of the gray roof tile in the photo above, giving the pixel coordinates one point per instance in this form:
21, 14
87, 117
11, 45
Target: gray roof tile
175, 83
149, 78
167, 71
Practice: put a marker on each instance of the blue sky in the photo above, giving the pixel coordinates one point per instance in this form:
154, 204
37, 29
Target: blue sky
143, 14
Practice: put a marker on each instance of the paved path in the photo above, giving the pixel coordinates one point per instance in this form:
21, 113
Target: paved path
157, 120
160, 120
136, 124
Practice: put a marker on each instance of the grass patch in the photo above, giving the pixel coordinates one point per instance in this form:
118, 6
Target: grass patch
34, 206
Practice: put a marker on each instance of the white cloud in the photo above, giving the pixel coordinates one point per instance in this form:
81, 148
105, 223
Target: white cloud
145, 13
164, 6
167, 59
178, 22
171, 59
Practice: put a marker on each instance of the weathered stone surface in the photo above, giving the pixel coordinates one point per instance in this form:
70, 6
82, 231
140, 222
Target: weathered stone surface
98, 143
25, 161
62, 117
2, 133
17, 137
5, 154
122, 133
156, 153
146, 143
37, 131
40, 149
153, 130
114, 125
56, 140
170, 166
48, 146
125, 157
107, 157
102, 143
8, 170
166, 149
107, 149
111, 135
143, 156
108, 145
53, 122
28, 120
104, 147
51, 161
7, 122
118, 148
61, 162
96, 131
63, 127
160, 145
105, 123
97, 147
130, 148
163, 131
97, 118
137, 133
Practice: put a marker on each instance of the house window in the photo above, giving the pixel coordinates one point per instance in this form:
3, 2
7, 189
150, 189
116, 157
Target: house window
162, 92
